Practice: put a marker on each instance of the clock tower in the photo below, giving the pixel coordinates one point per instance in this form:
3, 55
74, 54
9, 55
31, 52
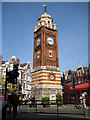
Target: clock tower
46, 79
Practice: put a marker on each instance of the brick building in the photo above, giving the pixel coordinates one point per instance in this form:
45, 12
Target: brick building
82, 84
46, 79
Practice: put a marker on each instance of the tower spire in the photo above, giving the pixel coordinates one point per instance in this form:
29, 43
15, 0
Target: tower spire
44, 7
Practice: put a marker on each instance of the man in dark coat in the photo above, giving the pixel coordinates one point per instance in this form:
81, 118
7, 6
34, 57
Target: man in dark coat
9, 103
4, 106
15, 101
33, 101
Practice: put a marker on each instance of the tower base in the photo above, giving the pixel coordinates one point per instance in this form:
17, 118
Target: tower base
43, 85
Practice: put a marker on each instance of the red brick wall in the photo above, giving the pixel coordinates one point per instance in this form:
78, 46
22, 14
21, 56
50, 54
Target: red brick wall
43, 33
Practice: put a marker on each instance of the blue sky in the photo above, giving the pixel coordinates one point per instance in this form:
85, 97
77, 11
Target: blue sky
0, 27
19, 19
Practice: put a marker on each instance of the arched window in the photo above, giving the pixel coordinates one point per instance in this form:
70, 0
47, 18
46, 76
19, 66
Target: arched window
48, 23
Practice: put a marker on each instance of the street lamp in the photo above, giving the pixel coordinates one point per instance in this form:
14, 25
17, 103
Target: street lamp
73, 86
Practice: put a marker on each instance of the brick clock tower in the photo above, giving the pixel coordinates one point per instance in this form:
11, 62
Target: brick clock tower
46, 79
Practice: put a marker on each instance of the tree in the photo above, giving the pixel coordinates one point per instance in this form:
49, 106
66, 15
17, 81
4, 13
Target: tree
59, 99
45, 101
11, 87
2, 82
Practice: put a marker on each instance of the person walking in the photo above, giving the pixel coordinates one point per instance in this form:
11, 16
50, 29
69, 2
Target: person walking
4, 106
81, 101
15, 101
9, 104
33, 101
20, 100
84, 99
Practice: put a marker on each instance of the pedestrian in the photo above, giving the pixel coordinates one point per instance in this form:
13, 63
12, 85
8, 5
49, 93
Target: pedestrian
20, 100
33, 101
84, 99
81, 101
9, 104
15, 101
25, 100
4, 107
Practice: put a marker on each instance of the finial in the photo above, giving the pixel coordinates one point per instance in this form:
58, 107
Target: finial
44, 7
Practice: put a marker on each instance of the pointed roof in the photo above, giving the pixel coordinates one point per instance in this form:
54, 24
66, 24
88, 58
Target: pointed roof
45, 15
23, 65
45, 18
79, 65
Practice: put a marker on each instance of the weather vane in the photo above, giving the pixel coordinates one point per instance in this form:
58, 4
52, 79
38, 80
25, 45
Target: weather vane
44, 7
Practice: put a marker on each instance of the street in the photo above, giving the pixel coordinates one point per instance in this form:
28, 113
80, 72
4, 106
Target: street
64, 112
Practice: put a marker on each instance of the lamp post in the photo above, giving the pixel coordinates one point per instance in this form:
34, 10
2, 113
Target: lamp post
73, 86
63, 80
6, 84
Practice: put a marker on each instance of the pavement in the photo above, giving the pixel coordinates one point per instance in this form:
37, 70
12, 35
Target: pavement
68, 112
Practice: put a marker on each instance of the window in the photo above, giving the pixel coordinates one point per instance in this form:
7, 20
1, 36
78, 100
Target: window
48, 23
87, 79
84, 79
50, 53
78, 73
38, 56
81, 72
24, 77
75, 81
27, 76
79, 81
88, 71
11, 65
24, 86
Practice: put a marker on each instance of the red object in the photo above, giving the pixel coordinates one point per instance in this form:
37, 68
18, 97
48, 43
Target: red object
79, 89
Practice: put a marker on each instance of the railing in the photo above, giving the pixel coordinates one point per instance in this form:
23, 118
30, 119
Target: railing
57, 111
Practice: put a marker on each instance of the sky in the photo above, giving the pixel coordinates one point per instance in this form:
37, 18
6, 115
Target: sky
20, 18
0, 27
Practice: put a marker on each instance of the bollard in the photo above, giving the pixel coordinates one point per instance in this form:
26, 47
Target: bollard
57, 108
84, 111
36, 108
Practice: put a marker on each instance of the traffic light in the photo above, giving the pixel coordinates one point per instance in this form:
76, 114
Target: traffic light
15, 70
11, 76
15, 67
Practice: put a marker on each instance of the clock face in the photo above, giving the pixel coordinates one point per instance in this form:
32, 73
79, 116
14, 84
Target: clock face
51, 77
50, 40
38, 42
